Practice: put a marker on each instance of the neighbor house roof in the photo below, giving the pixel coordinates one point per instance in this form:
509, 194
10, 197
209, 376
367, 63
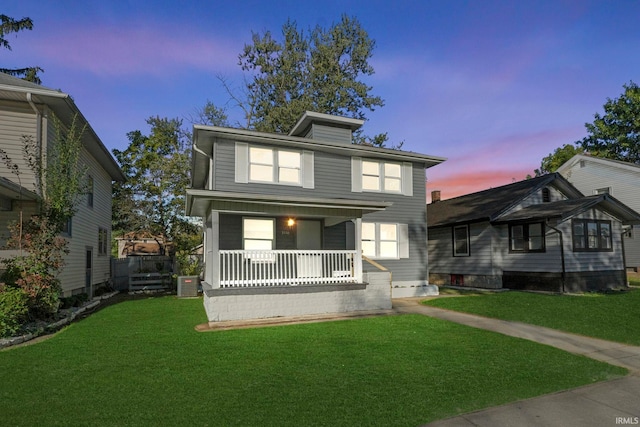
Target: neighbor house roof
14, 89
631, 167
492, 205
487, 205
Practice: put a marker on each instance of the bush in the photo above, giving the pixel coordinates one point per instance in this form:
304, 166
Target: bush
13, 310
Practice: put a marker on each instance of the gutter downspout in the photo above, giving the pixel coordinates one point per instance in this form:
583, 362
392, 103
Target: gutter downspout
624, 255
564, 268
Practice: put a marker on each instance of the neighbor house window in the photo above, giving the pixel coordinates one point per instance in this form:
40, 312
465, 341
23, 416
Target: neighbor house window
273, 165
66, 228
605, 190
526, 237
384, 240
461, 240
381, 176
90, 191
102, 241
258, 233
591, 235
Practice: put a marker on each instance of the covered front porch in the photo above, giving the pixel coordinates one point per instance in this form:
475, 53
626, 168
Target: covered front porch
268, 256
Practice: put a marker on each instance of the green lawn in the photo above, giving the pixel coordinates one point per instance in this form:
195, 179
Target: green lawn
142, 363
612, 316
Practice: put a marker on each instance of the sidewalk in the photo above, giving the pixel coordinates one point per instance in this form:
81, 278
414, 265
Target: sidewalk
608, 403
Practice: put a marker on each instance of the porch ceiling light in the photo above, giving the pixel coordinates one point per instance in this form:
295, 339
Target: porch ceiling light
291, 222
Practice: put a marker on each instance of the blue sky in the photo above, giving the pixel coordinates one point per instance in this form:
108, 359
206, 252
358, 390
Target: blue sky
494, 86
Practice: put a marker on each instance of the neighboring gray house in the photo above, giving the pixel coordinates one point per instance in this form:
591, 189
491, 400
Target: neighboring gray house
594, 175
289, 218
540, 233
26, 110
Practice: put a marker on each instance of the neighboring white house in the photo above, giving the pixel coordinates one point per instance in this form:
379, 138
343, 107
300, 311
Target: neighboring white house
289, 218
594, 175
26, 109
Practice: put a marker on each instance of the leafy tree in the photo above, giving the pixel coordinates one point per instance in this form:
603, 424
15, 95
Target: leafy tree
319, 70
7, 26
59, 183
211, 115
157, 170
616, 134
554, 160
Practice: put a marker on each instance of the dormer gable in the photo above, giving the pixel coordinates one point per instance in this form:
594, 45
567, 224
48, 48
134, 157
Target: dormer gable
326, 127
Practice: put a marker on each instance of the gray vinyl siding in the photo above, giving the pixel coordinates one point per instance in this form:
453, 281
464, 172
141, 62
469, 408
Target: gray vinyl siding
332, 178
481, 248
536, 198
624, 185
548, 261
632, 248
594, 261
329, 133
16, 120
84, 234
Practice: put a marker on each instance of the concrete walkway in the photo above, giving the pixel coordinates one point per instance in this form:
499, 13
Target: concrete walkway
608, 403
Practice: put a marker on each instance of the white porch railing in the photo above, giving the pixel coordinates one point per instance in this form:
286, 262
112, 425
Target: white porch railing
239, 268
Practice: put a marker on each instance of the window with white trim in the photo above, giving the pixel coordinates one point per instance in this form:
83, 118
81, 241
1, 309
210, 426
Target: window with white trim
258, 233
381, 176
272, 165
461, 246
384, 240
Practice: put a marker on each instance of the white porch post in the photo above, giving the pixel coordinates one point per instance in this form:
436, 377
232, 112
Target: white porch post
357, 263
212, 245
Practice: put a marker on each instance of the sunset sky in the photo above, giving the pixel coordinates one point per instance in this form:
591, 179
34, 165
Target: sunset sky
494, 86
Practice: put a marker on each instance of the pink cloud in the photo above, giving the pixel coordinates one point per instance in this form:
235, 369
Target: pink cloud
111, 51
454, 185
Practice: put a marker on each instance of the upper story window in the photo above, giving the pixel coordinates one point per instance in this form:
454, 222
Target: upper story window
461, 246
526, 237
90, 191
272, 165
591, 235
381, 176
605, 190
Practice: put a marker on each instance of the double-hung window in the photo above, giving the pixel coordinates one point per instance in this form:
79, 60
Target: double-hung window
381, 176
258, 233
526, 237
384, 240
102, 241
273, 165
591, 235
461, 246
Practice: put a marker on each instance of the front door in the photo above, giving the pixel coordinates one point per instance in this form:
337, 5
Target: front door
309, 235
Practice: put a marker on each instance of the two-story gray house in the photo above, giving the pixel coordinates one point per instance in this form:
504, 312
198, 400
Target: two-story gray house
308, 222
595, 175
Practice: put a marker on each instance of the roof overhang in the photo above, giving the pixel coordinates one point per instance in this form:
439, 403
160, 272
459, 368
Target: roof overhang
566, 209
205, 136
11, 190
201, 202
310, 117
65, 109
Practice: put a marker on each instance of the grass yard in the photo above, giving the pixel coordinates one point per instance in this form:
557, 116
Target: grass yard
610, 316
142, 363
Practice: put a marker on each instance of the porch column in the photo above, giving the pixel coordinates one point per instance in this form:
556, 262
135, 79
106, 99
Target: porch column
212, 246
357, 263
